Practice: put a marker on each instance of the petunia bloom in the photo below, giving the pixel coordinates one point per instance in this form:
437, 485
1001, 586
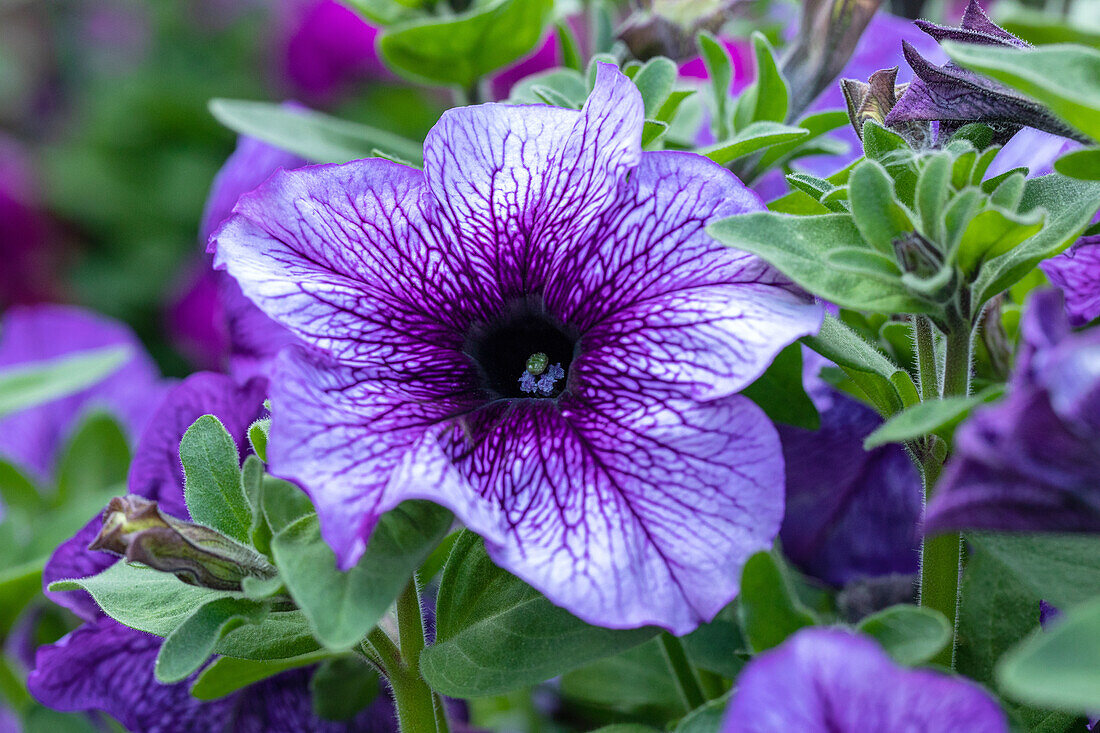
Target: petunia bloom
954, 96
1031, 462
103, 665
212, 322
851, 513
834, 680
1077, 272
633, 491
33, 438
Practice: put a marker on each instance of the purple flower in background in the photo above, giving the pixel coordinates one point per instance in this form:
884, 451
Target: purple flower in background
851, 513
327, 48
834, 680
106, 666
212, 322
33, 438
26, 235
632, 492
954, 96
1077, 272
1031, 462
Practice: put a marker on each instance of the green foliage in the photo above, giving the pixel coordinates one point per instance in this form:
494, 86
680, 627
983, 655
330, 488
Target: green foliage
1056, 667
720, 71
767, 606
343, 686
934, 416
752, 137
343, 606
1061, 569
635, 683
313, 135
494, 633
1083, 164
910, 634
213, 488
779, 391
192, 642
24, 386
226, 675
1064, 77
463, 49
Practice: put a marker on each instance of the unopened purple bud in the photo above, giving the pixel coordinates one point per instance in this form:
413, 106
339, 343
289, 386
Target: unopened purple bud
136, 529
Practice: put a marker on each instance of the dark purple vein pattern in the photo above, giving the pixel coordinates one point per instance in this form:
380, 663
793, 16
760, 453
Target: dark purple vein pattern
634, 494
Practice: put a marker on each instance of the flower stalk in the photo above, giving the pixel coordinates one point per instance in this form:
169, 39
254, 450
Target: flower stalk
687, 684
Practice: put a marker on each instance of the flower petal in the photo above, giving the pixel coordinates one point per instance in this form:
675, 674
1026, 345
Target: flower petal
663, 304
627, 517
518, 183
1077, 272
156, 472
73, 559
359, 443
346, 257
105, 666
832, 680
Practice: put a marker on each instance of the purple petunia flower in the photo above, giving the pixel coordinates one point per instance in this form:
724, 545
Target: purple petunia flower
27, 237
1032, 461
851, 513
106, 666
212, 322
634, 491
1077, 272
955, 96
32, 438
833, 680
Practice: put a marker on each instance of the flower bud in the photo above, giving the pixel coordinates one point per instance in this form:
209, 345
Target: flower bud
136, 529
873, 100
668, 27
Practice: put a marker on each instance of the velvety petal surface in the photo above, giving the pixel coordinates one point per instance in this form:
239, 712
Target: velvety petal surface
33, 438
634, 495
850, 513
1077, 272
833, 680
1031, 462
517, 184
155, 472
106, 666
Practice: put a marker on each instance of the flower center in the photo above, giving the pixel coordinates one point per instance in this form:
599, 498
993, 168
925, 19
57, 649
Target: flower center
524, 354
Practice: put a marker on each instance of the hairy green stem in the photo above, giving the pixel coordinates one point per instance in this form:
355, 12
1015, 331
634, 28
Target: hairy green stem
687, 684
926, 358
419, 709
941, 556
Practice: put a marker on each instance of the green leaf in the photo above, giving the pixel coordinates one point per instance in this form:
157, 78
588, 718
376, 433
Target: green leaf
799, 247
933, 189
771, 94
718, 646
27, 385
779, 391
884, 145
672, 105
877, 213
1083, 164
1061, 569
283, 503
815, 125
570, 48
192, 642
257, 436
875, 374
143, 598
767, 606
938, 416
226, 675
495, 633
314, 136
652, 131
343, 606
993, 232
752, 137
635, 684
19, 585
654, 80
1057, 667
96, 460
910, 634
463, 49
1064, 77
720, 72
1070, 205
568, 84
1008, 192
342, 687
384, 12
212, 473
280, 636
707, 718
17, 491
252, 484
